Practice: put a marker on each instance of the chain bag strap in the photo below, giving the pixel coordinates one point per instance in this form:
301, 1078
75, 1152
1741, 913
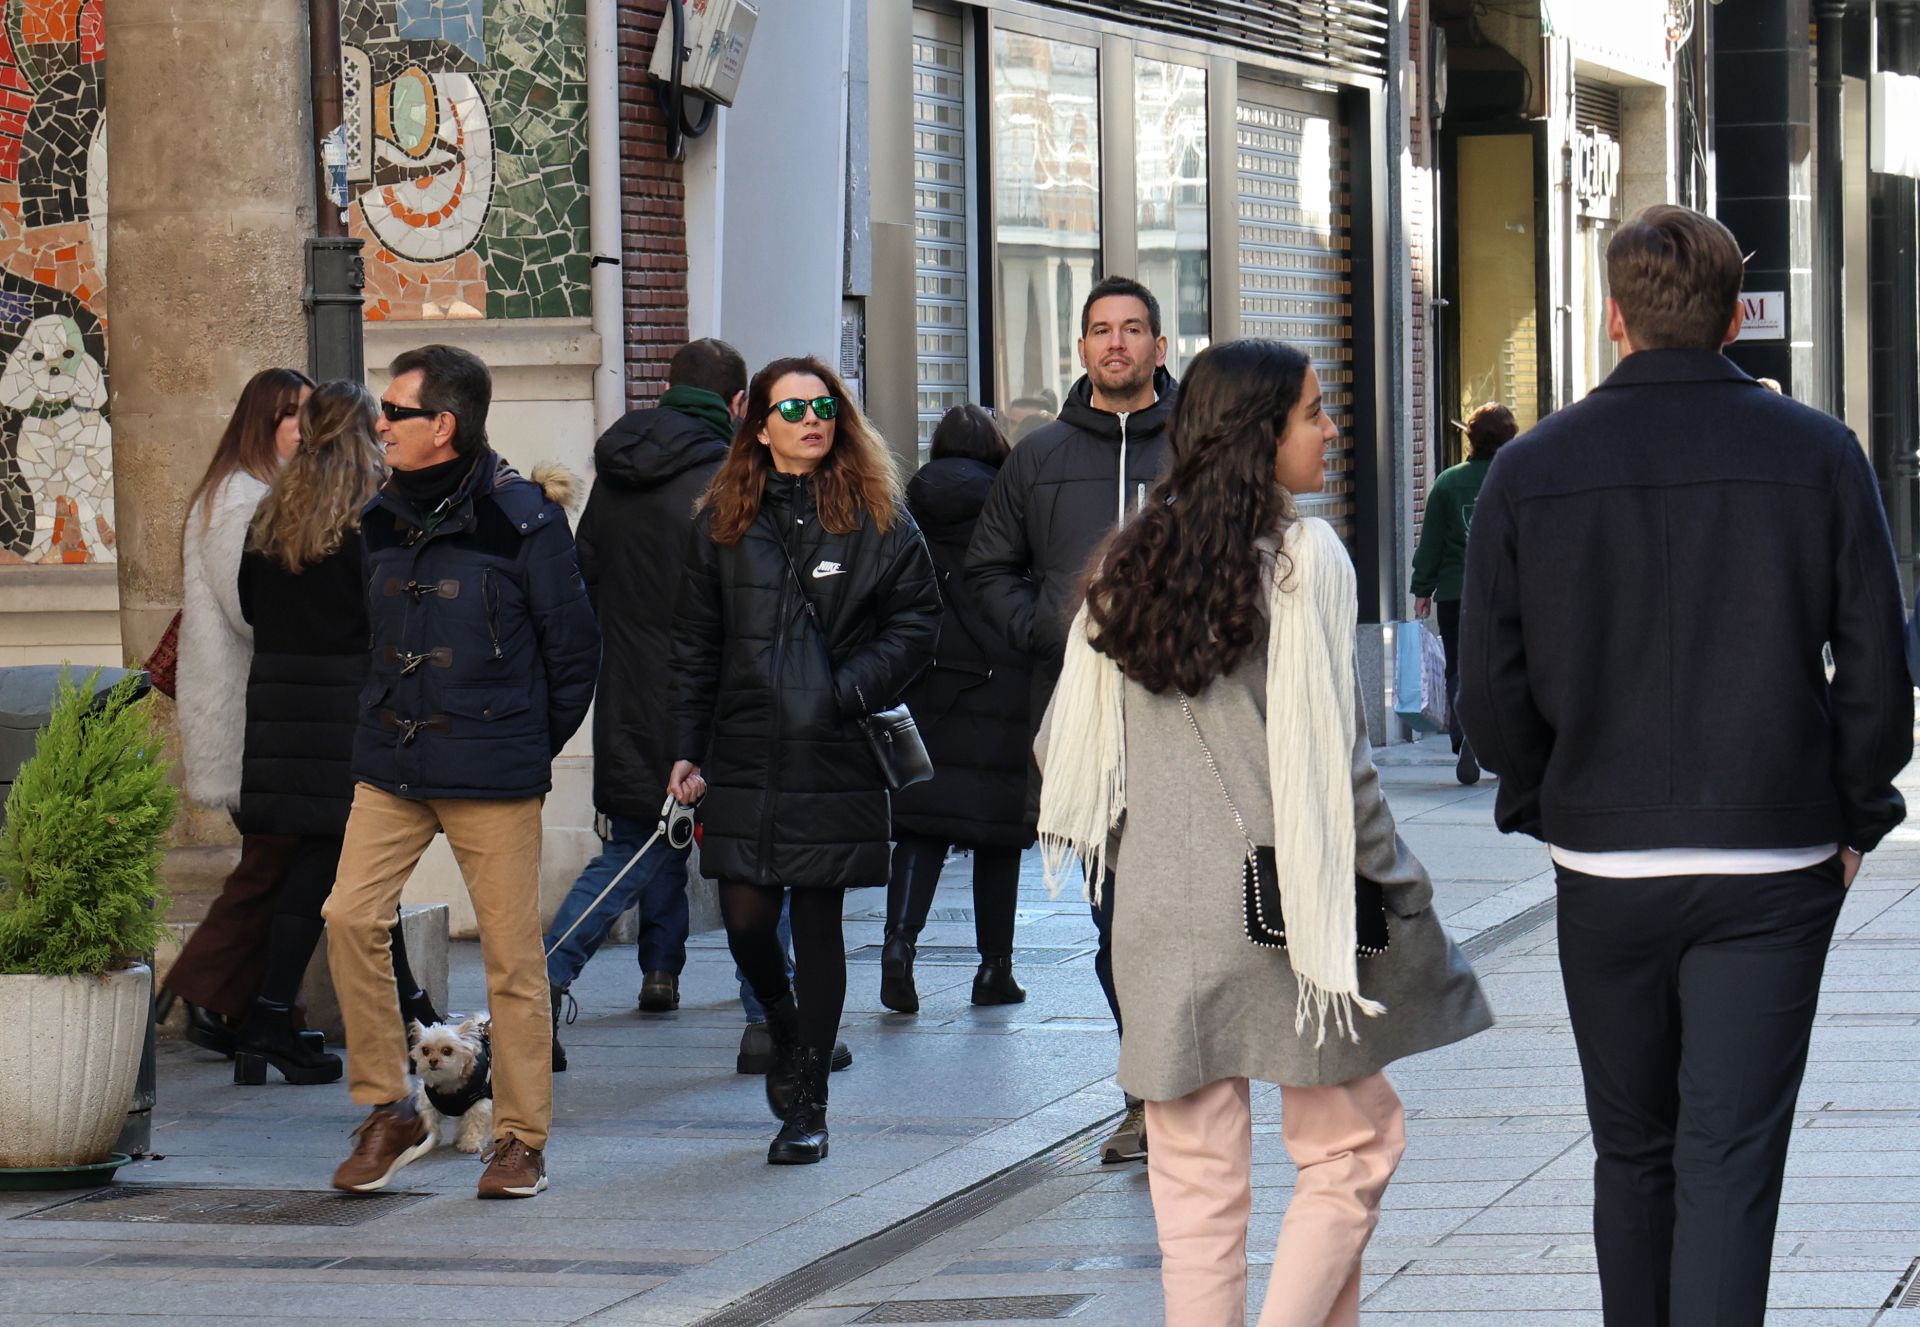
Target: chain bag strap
891, 734
1266, 924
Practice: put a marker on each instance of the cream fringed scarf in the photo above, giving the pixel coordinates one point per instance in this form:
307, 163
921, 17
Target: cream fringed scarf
1310, 736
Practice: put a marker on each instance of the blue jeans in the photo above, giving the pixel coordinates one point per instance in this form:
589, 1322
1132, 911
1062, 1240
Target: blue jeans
757, 1012
657, 882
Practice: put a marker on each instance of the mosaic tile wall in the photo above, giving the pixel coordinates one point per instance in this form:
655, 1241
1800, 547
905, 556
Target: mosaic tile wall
56, 463
467, 155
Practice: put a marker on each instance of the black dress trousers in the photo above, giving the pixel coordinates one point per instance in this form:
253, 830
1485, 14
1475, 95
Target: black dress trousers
1692, 1000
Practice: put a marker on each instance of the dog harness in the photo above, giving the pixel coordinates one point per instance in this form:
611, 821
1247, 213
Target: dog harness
477, 1088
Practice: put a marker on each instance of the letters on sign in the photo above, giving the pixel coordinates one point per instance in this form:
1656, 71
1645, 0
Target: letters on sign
1596, 172
1766, 318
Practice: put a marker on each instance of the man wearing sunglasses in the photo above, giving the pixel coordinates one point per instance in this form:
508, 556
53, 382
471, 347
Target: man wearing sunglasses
484, 655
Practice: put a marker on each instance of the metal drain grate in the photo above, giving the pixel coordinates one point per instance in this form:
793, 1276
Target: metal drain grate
1909, 1282
1019, 1307
180, 1205
968, 956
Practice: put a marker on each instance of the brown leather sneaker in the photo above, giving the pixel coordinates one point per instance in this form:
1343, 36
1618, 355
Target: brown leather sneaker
389, 1138
514, 1170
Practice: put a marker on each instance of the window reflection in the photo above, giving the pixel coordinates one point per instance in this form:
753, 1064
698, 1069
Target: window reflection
1170, 136
1046, 186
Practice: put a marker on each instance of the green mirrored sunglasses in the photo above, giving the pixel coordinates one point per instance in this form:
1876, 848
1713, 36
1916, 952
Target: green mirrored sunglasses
793, 409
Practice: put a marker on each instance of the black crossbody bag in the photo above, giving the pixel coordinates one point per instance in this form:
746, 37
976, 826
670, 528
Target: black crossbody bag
891, 734
1260, 880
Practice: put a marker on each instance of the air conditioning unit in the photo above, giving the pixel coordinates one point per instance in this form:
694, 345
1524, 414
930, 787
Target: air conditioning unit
713, 46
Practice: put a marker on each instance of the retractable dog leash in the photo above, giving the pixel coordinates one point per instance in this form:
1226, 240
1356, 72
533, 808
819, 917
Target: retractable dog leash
676, 826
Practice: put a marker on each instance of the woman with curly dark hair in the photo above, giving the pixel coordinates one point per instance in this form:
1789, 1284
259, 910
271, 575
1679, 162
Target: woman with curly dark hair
808, 603
1208, 742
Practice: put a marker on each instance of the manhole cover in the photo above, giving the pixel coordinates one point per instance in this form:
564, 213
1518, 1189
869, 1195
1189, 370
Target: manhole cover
180, 1205
1008, 1309
968, 956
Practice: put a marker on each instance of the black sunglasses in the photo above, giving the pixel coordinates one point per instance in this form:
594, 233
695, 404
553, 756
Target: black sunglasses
396, 413
793, 409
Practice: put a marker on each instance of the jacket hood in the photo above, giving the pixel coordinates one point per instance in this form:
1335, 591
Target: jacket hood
646, 448
945, 497
561, 485
1080, 411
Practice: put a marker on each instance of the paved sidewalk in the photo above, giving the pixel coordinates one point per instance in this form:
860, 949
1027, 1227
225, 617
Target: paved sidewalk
663, 1211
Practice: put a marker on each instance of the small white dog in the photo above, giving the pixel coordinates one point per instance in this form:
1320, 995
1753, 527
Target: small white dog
454, 1062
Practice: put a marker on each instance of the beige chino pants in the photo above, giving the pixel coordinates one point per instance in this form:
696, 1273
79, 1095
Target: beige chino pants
497, 844
1345, 1140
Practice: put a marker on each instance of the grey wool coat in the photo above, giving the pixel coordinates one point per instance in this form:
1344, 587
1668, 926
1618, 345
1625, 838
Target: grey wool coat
1200, 1001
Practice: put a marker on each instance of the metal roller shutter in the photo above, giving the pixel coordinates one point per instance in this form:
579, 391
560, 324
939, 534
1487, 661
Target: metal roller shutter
1296, 264
1337, 34
940, 216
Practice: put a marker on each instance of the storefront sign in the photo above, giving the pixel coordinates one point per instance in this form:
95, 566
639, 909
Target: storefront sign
1766, 315
1894, 99
1596, 172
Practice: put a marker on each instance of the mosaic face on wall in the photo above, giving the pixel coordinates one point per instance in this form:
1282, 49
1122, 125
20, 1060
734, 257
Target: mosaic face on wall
467, 156
56, 460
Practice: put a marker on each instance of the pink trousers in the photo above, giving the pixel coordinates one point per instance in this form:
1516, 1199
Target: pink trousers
1345, 1141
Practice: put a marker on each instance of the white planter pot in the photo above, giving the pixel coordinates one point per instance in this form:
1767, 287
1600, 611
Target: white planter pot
69, 1051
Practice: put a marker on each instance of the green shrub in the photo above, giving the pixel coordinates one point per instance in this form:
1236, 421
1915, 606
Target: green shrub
80, 854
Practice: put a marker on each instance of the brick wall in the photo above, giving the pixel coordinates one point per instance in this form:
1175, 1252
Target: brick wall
653, 240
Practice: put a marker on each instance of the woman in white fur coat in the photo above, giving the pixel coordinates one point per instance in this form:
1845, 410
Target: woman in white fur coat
219, 970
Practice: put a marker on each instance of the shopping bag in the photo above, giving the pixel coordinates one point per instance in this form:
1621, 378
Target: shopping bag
1420, 677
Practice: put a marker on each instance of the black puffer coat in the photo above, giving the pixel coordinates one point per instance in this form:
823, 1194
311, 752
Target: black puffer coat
971, 706
303, 690
794, 796
1058, 496
632, 541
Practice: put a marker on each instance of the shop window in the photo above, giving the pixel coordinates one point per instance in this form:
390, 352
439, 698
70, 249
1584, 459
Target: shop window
1499, 296
941, 286
1296, 262
1046, 194
1170, 141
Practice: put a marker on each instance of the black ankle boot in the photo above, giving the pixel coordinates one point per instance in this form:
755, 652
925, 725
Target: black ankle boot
994, 983
418, 1008
802, 1139
208, 1030
560, 998
783, 1025
267, 1038
896, 975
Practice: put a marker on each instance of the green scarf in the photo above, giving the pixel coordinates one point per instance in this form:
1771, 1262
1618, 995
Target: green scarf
701, 404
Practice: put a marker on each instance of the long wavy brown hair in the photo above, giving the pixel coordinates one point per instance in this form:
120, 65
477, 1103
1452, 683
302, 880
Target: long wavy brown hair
316, 499
1176, 598
247, 441
857, 476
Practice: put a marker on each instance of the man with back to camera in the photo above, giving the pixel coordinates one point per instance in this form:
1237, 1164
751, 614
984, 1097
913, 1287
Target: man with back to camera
484, 654
650, 468
1652, 576
1065, 488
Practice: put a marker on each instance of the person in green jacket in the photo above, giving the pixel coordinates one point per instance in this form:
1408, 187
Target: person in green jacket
1440, 563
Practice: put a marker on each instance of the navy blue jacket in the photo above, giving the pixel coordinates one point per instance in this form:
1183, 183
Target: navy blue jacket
1652, 576
484, 644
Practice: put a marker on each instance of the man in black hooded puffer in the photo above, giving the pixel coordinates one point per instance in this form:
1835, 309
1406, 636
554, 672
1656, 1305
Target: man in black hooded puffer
1064, 490
651, 467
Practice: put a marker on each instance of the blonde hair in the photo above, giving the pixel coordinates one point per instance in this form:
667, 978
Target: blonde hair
317, 497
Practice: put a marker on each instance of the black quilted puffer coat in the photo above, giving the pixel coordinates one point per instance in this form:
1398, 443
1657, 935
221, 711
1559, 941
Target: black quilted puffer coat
971, 706
766, 696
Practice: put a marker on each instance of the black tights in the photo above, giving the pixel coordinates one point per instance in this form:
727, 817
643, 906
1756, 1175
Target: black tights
996, 889
752, 915
294, 932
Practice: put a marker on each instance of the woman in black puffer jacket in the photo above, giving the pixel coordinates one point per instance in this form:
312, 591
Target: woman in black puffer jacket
303, 589
808, 601
971, 707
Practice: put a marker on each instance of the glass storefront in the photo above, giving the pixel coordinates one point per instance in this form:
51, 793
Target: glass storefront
1170, 143
1046, 194
1499, 291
